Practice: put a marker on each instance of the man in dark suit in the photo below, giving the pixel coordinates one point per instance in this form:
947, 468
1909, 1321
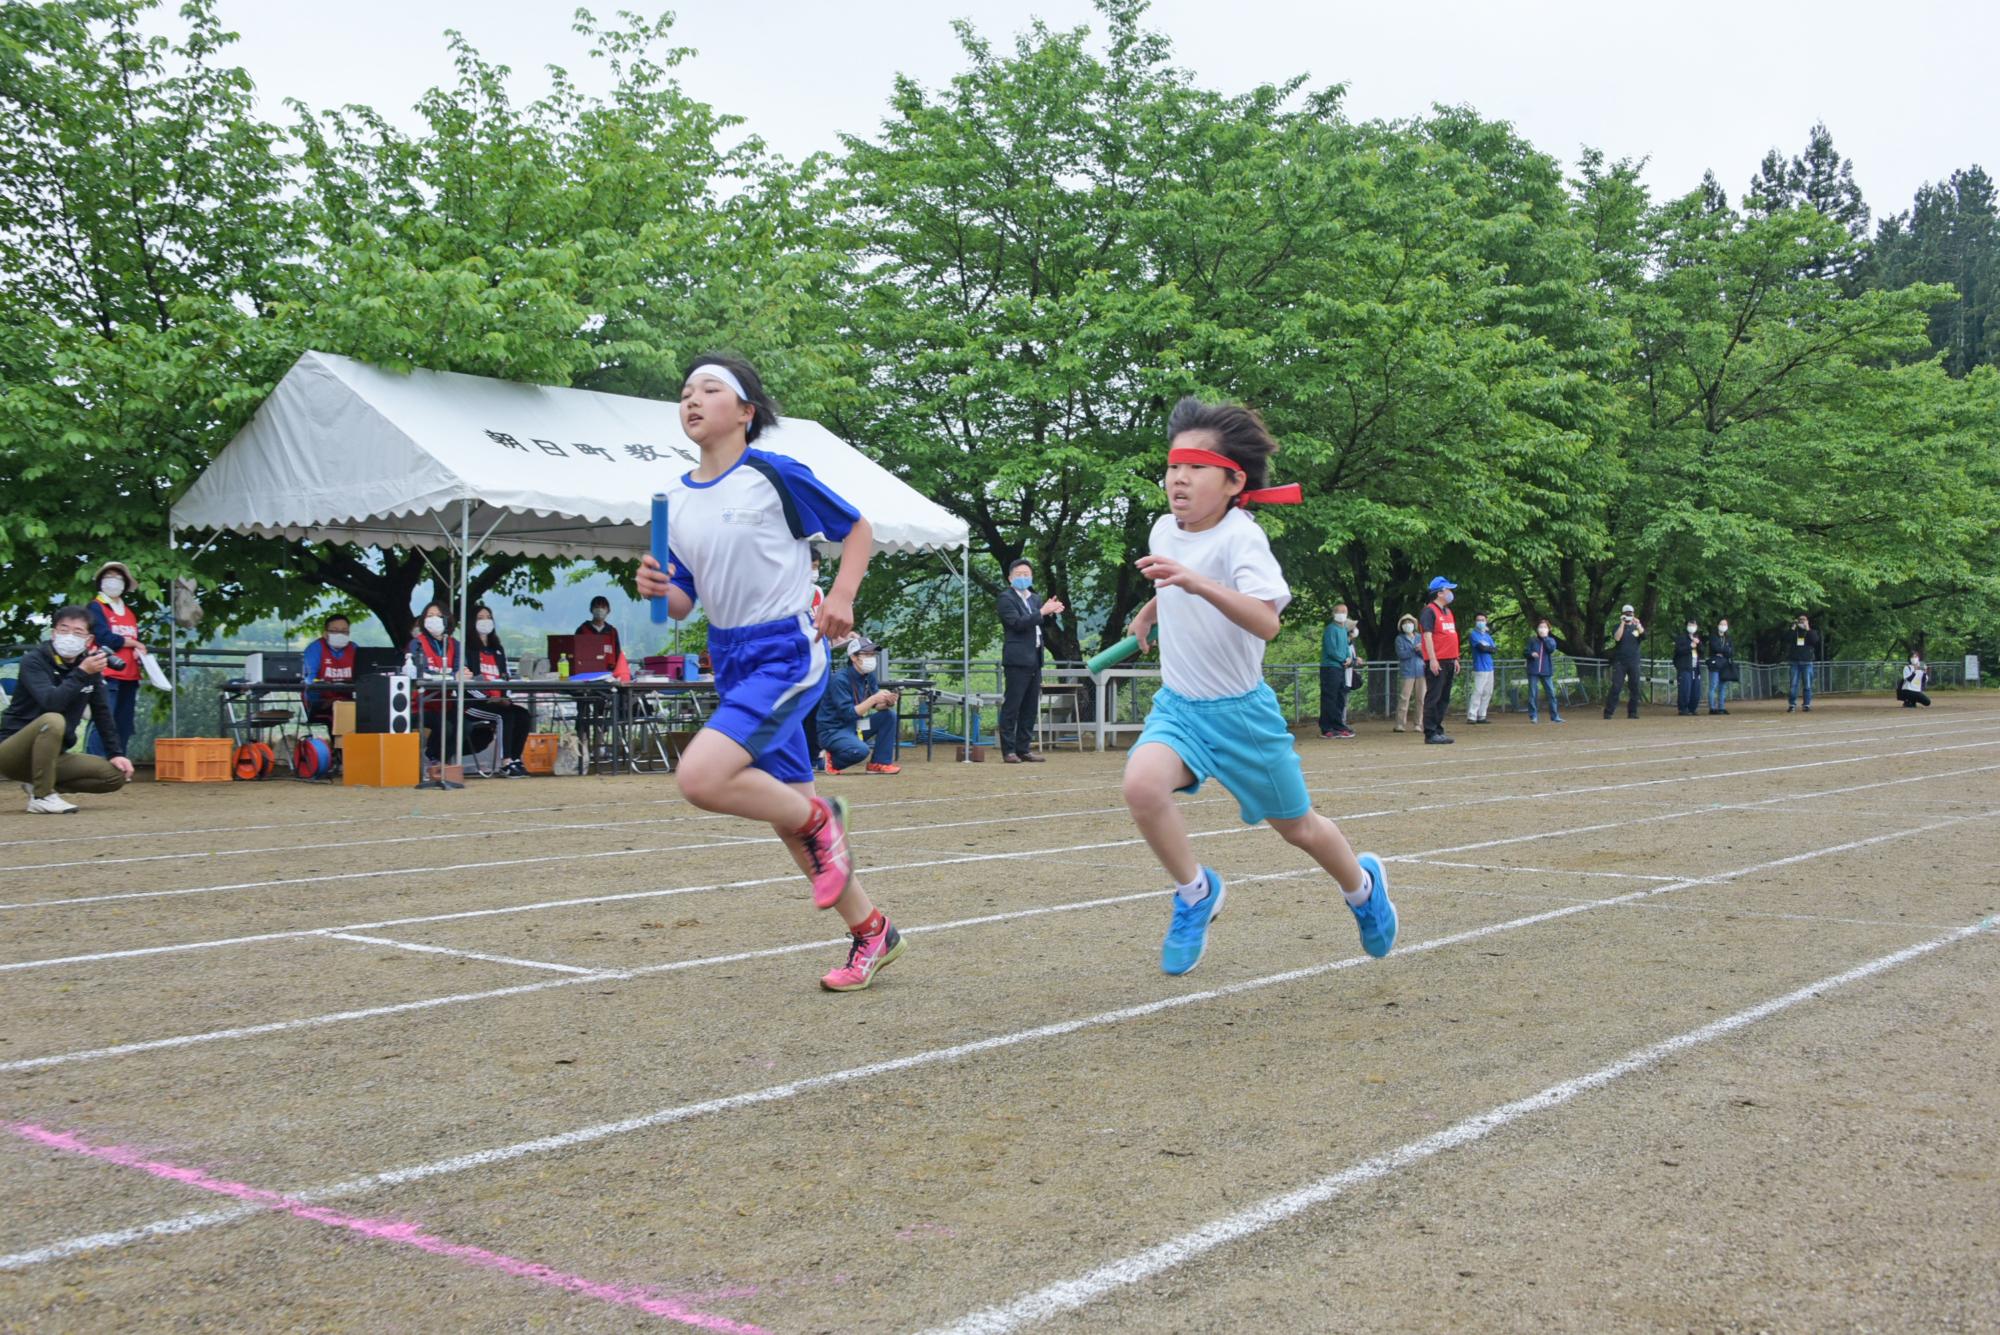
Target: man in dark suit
1021, 616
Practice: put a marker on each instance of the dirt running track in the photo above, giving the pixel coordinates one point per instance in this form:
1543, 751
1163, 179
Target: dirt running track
1694, 1025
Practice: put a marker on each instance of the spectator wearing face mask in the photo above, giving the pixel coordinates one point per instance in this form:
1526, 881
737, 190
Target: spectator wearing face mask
1440, 659
1410, 673
115, 628
58, 682
330, 658
854, 701
1482, 645
1541, 659
1722, 668
1021, 618
1336, 660
1916, 679
487, 658
1687, 669
600, 624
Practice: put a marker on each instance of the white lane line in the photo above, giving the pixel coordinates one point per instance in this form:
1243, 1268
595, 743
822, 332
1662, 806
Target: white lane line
1013, 855
294, 850
496, 813
747, 840
1580, 745
1072, 1294
713, 842
1536, 871
474, 955
792, 1089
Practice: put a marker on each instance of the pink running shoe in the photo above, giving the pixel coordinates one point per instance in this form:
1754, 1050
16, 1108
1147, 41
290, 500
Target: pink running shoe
865, 958
826, 848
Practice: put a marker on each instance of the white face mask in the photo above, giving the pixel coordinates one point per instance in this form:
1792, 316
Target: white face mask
1723, 628
69, 646
483, 627
336, 640
598, 614
865, 665
1690, 627
1541, 630
111, 586
1409, 628
1914, 660
435, 625
1480, 624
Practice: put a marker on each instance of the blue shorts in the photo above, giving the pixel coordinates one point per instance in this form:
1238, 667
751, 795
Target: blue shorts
770, 677
1241, 742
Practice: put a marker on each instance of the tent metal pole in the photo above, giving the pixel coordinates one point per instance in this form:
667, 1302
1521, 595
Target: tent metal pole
464, 614
173, 647
965, 646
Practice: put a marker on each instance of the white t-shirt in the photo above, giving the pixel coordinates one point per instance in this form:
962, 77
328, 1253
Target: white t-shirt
740, 545
1203, 654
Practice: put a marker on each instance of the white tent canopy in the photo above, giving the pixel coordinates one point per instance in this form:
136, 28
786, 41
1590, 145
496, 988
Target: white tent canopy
347, 452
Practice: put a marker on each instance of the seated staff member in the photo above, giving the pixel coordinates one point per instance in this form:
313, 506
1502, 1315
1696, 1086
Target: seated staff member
489, 663
600, 624
853, 694
59, 680
329, 658
437, 656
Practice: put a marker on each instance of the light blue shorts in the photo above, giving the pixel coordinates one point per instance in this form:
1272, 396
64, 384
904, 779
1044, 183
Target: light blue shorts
1241, 742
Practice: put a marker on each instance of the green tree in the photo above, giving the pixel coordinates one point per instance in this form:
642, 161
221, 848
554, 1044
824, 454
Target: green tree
1951, 235
143, 230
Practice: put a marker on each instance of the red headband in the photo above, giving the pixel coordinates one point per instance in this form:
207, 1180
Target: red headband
1289, 494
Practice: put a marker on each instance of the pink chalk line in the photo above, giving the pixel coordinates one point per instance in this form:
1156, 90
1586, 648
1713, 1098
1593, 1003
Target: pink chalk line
385, 1230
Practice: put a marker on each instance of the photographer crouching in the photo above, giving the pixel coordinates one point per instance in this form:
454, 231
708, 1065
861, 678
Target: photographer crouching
59, 680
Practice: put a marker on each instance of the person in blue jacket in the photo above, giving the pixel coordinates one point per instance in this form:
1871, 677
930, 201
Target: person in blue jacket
855, 700
1542, 650
1483, 645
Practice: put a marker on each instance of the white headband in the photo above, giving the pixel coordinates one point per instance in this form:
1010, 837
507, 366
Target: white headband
722, 373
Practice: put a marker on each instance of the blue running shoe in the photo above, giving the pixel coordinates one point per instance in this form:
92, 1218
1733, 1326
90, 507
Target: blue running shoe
1187, 935
1377, 917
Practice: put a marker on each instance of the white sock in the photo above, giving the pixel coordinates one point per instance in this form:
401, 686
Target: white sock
1194, 891
1356, 898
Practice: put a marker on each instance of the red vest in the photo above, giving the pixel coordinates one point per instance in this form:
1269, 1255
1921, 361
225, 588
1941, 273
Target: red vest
489, 667
335, 664
123, 624
438, 661
1444, 636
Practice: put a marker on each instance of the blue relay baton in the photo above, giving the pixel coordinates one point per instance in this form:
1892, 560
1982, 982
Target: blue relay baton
660, 552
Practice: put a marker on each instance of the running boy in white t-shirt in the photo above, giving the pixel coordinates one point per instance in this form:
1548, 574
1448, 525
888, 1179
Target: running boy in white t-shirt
1220, 592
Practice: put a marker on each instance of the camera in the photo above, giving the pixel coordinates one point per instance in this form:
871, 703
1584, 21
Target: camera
111, 659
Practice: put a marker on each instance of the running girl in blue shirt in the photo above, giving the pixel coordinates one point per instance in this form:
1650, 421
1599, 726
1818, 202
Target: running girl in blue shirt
741, 545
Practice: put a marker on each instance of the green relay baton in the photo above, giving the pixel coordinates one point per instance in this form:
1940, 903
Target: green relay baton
1115, 655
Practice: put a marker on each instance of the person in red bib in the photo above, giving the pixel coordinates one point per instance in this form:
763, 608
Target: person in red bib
489, 663
1440, 630
438, 656
330, 658
115, 627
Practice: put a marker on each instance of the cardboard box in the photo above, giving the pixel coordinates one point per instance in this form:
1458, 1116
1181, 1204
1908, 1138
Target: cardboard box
380, 760
343, 717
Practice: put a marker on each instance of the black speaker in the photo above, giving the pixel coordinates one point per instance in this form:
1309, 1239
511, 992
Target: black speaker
382, 704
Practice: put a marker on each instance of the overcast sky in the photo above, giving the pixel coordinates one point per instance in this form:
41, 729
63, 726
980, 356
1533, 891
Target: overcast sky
1909, 89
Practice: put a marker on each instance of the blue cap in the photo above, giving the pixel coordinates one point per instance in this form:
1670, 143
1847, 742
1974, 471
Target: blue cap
1441, 583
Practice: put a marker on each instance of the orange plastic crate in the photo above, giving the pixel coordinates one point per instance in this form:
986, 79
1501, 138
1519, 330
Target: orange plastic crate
192, 759
538, 756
